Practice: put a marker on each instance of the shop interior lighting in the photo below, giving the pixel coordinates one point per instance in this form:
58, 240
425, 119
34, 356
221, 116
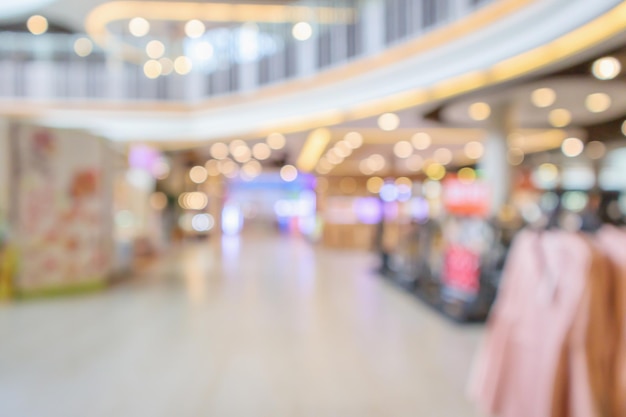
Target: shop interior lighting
289, 173
443, 156
219, 150
194, 28
37, 25
466, 175
261, 151
435, 171
414, 163
595, 149
421, 141
155, 49
152, 69
479, 111
138, 27
183, 65
606, 68
354, 139
167, 66
83, 47
276, 140
374, 184
198, 174
313, 149
543, 97
572, 147
212, 167
403, 149
515, 156
388, 121
474, 150
598, 102
302, 31
560, 117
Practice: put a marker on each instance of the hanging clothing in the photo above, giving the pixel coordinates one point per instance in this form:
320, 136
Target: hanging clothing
543, 353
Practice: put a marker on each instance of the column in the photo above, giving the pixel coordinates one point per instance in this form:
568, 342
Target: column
373, 24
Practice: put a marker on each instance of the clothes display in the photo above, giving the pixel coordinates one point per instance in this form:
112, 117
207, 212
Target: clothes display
555, 336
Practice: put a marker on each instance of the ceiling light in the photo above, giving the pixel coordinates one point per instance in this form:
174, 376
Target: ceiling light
414, 163
139, 27
198, 174
302, 31
598, 102
443, 156
194, 28
261, 151
354, 139
289, 173
572, 147
242, 154
83, 47
543, 97
203, 51
606, 68
474, 150
183, 65
421, 141
479, 111
152, 69
388, 121
212, 167
155, 49
167, 66
595, 149
219, 150
37, 25
374, 184
376, 162
403, 149
560, 117
276, 140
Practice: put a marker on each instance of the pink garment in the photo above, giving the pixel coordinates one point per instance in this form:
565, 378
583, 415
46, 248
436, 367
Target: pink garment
533, 362
613, 243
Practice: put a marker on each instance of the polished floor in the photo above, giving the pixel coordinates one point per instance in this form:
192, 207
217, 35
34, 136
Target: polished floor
255, 327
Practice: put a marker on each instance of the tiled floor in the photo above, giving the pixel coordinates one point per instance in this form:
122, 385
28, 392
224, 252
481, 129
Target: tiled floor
266, 327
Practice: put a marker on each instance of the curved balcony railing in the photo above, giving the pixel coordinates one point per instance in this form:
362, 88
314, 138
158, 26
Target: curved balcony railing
242, 59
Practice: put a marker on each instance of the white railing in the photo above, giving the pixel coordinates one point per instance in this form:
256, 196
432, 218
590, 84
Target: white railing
46, 67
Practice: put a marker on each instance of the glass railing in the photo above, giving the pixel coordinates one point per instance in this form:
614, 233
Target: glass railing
224, 59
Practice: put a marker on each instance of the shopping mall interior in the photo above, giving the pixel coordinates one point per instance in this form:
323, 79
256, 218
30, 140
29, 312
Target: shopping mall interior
271, 208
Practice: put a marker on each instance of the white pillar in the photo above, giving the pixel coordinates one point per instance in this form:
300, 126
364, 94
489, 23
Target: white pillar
494, 163
5, 173
373, 25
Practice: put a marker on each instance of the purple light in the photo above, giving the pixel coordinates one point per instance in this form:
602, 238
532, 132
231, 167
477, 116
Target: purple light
368, 210
389, 193
143, 157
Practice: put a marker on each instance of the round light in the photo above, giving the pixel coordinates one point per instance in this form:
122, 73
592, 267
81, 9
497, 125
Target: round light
333, 158
560, 117
212, 167
466, 175
167, 66
302, 31
403, 181
83, 47
276, 141
229, 168
376, 162
198, 174
235, 145
193, 201
37, 25
572, 147
251, 169
515, 156
543, 97
388, 121
374, 185
261, 151
443, 156
474, 150
421, 141
347, 185
598, 102
203, 51
324, 166
403, 149
155, 49
194, 28
202, 222
161, 169
219, 150
388, 192
343, 148
183, 65
364, 167
414, 163
158, 200
354, 139
431, 189
152, 69
435, 171
595, 149
139, 27
516, 140
479, 111
288, 173
547, 173
606, 68
242, 154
